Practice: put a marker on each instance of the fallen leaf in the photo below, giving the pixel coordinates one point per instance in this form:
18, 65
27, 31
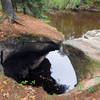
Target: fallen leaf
76, 98
93, 99
32, 97
5, 82
6, 95
1, 90
0, 14
24, 99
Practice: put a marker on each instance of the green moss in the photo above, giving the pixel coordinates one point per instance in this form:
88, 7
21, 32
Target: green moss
94, 66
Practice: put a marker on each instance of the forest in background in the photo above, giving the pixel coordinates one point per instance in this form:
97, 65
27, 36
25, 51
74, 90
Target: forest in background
74, 3
36, 8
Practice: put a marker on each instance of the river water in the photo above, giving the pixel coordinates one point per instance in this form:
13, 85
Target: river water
74, 24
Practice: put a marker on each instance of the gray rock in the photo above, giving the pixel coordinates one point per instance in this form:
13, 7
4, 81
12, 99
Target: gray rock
18, 55
84, 54
89, 44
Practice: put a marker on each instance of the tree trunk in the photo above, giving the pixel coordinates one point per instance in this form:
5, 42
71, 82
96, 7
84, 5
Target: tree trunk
8, 8
24, 8
8, 12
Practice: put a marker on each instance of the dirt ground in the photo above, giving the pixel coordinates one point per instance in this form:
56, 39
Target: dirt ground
10, 90
79, 95
31, 26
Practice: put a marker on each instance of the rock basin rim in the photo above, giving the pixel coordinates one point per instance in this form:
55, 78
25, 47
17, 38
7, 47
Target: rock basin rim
30, 26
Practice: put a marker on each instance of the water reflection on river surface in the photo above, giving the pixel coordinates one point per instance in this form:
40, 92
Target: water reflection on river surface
75, 24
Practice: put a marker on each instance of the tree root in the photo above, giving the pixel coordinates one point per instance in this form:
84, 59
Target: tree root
11, 19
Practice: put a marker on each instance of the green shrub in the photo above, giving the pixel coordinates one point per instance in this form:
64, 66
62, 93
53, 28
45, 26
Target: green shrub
24, 82
33, 7
91, 90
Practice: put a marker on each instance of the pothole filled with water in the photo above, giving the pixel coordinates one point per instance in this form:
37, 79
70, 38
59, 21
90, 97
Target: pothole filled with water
62, 70
55, 73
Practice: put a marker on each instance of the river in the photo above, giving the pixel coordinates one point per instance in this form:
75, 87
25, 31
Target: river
74, 24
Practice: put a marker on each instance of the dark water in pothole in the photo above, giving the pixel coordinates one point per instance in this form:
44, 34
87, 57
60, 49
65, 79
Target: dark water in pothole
74, 24
55, 73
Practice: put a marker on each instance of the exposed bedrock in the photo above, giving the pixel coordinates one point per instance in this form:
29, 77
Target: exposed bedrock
24, 46
24, 52
84, 54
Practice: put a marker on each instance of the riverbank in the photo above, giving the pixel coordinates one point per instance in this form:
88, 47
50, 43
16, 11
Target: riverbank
75, 5
73, 9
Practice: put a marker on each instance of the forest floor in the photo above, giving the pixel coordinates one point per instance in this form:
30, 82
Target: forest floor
29, 26
10, 90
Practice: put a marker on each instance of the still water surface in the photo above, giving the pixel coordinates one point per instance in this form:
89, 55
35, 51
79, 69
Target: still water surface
75, 24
